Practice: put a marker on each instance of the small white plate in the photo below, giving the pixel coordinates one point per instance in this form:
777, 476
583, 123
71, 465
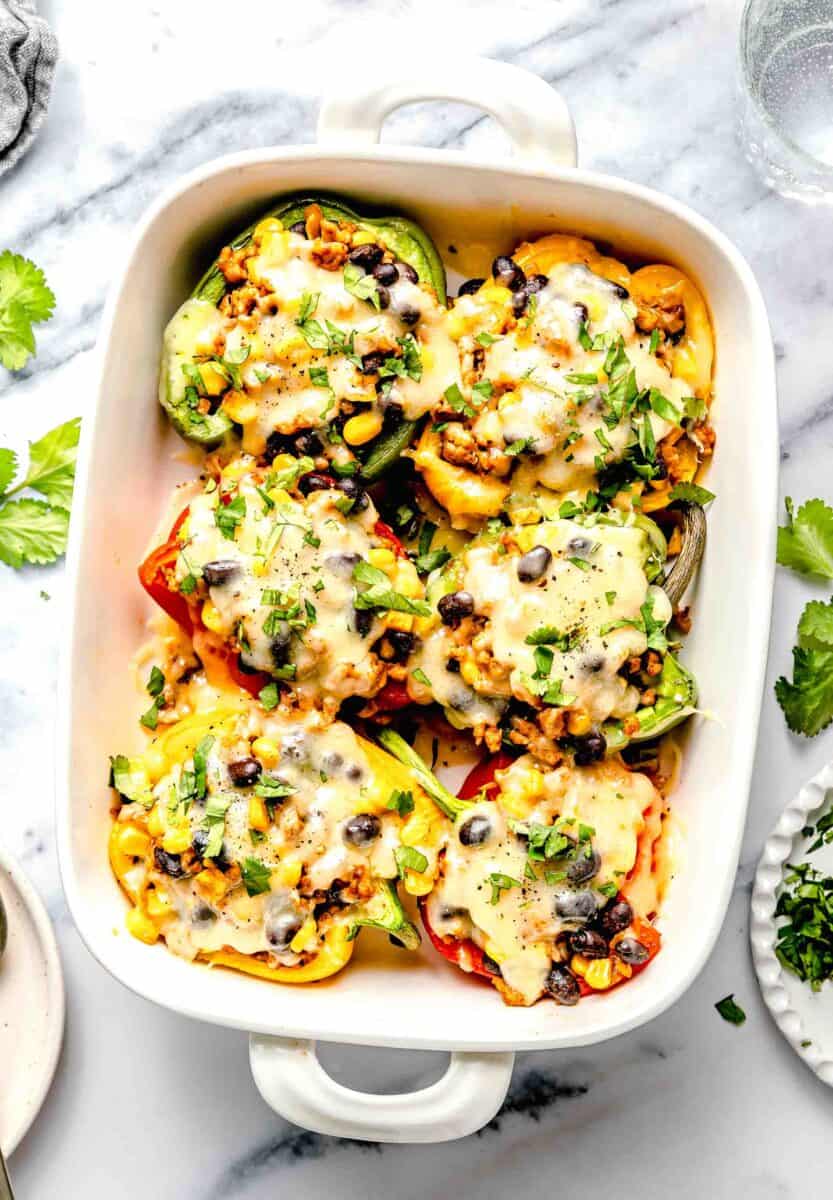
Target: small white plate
31, 1005
804, 1017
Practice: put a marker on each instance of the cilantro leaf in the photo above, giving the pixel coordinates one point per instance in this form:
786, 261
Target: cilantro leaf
256, 876
363, 287
815, 629
228, 516
807, 701
691, 493
401, 802
408, 858
8, 466
805, 543
32, 531
25, 300
731, 1011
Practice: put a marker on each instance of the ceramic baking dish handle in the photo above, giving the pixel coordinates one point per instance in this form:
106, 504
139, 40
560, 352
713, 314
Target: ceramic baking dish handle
534, 115
291, 1079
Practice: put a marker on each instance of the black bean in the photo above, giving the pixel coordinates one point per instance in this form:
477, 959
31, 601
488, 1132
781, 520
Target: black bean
245, 667
354, 491
450, 913
631, 951
519, 302
279, 645
453, 666
455, 607
570, 905
616, 917
300, 228
401, 644
534, 564
342, 564
470, 287
199, 843
562, 985
362, 829
621, 293
202, 914
406, 271
507, 273
332, 761
386, 273
280, 928
308, 444
383, 296
589, 943
490, 965
362, 621
475, 830
315, 481
366, 257
407, 314
354, 773
535, 283
582, 312
589, 748
372, 362
168, 864
220, 571
585, 865
581, 546
244, 772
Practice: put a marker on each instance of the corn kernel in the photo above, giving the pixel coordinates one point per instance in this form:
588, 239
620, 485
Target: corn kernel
240, 407
381, 557
469, 672
274, 248
408, 582
427, 356
579, 722
176, 841
211, 883
211, 617
493, 293
282, 462
363, 237
212, 380
267, 225
579, 964
526, 516
287, 874
258, 567
252, 441
158, 905
362, 428
156, 764
599, 974
305, 936
280, 496
401, 621
424, 625
266, 752
258, 814
418, 885
293, 346
155, 826
132, 841
457, 325
141, 926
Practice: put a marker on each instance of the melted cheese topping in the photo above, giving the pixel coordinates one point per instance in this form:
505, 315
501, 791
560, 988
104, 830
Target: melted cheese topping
532, 366
281, 373
518, 931
595, 581
304, 550
331, 778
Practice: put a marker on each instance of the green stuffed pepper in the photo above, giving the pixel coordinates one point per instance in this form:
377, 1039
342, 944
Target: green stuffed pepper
316, 323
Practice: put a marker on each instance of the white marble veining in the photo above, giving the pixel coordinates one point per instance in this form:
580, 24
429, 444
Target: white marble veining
150, 1104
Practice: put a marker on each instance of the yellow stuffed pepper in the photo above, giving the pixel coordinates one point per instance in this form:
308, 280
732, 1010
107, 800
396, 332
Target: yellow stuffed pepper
264, 844
577, 376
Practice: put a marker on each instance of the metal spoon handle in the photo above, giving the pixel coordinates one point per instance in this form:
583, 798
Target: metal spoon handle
6, 1192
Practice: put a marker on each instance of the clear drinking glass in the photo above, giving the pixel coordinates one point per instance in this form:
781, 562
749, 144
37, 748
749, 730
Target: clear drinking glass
786, 84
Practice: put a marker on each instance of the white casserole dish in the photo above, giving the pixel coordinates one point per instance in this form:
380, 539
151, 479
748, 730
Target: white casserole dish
126, 468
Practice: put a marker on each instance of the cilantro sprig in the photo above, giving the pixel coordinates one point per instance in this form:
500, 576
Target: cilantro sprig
805, 543
34, 530
807, 699
25, 300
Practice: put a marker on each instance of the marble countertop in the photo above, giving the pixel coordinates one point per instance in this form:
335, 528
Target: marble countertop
688, 1105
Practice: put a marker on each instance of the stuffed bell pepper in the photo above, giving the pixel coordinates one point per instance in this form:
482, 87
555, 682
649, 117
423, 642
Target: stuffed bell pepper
577, 376
263, 844
315, 325
549, 880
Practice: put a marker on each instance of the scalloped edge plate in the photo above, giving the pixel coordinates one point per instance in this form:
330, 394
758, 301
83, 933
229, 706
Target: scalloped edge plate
33, 980
797, 1011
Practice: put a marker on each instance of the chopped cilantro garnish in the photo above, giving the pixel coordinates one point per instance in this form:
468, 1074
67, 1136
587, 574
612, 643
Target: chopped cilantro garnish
419, 675
691, 493
653, 345
731, 1011
457, 402
364, 287
269, 696
408, 858
501, 883
256, 876
485, 339
401, 802
228, 516
805, 543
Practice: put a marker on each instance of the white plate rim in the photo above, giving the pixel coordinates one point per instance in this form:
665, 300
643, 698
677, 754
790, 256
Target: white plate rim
57, 1006
762, 932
